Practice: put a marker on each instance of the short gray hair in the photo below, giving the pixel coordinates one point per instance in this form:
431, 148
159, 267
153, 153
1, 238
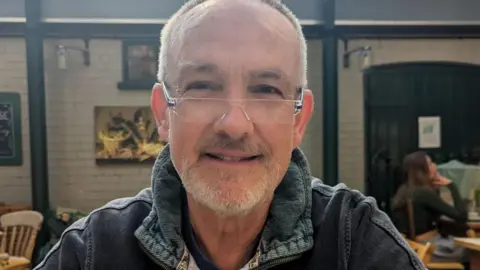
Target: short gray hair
169, 32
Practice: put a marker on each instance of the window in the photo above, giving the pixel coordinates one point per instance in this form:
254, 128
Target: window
140, 63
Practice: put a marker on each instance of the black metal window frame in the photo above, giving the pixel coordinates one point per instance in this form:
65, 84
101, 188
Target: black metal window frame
128, 83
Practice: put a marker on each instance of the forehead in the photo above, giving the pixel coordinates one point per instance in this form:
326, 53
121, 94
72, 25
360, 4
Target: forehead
238, 39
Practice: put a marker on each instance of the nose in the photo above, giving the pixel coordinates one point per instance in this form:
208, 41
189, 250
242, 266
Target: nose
235, 123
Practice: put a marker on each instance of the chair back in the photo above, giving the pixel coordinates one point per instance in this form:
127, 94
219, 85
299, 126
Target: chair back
411, 219
20, 232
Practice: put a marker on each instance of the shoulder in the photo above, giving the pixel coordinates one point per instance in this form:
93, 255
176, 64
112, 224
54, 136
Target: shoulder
118, 212
424, 193
350, 206
360, 227
338, 197
108, 229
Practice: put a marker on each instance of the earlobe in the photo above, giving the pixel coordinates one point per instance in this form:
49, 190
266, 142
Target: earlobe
163, 130
303, 117
159, 110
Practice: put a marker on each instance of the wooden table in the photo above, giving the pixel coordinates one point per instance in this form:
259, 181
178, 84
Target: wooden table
473, 245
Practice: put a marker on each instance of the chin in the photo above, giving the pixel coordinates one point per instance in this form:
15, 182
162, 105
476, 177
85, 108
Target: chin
229, 198
231, 193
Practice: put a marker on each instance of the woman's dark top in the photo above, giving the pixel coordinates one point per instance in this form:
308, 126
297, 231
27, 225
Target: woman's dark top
428, 208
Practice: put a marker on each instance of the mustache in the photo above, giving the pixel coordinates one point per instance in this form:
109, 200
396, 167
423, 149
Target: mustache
226, 142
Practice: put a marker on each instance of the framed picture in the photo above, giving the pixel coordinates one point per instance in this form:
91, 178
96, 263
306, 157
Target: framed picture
140, 64
10, 130
126, 135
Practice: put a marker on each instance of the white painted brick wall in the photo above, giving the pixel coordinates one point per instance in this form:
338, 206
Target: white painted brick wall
72, 94
75, 180
15, 181
312, 144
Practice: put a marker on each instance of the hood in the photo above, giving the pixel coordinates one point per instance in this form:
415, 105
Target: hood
288, 230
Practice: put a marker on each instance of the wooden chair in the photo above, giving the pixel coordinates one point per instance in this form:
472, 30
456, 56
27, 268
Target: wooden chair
422, 250
20, 232
13, 263
424, 253
428, 248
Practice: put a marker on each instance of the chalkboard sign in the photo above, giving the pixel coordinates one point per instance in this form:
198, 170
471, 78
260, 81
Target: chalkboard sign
10, 130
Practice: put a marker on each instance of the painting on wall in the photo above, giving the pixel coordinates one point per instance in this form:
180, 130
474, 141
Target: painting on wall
126, 135
10, 130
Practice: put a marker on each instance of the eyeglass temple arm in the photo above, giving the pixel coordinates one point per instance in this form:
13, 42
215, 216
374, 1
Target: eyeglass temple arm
299, 102
170, 101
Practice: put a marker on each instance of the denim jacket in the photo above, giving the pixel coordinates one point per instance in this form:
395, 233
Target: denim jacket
309, 226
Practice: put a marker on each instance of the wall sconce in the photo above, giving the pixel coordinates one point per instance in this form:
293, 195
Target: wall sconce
61, 52
365, 53
366, 58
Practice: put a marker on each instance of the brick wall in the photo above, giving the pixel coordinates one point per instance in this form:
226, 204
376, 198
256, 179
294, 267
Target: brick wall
15, 181
72, 94
312, 144
75, 180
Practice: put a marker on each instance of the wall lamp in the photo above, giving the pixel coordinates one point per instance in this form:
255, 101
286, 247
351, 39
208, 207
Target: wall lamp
365, 53
61, 51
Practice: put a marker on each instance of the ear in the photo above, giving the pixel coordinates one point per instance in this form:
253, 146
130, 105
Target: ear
159, 109
302, 118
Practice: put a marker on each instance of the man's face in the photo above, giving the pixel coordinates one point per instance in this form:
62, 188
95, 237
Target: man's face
231, 142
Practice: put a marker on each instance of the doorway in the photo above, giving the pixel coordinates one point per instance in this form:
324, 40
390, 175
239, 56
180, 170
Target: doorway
396, 95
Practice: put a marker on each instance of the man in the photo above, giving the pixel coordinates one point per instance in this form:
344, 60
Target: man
232, 190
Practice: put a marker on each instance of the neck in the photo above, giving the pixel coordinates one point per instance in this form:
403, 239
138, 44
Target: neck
227, 240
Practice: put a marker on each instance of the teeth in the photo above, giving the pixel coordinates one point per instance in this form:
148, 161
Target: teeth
228, 158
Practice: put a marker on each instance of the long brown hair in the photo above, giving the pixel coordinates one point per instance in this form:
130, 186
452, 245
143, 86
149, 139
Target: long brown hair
416, 173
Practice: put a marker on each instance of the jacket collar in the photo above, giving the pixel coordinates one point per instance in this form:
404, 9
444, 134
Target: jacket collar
288, 230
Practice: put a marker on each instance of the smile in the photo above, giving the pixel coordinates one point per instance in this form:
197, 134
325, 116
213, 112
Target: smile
231, 158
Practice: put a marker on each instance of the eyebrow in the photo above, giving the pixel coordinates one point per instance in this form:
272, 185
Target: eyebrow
275, 74
211, 68
198, 67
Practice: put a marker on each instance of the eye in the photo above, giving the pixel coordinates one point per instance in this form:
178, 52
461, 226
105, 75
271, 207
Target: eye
266, 90
202, 85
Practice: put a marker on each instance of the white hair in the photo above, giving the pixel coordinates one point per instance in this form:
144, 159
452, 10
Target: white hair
169, 35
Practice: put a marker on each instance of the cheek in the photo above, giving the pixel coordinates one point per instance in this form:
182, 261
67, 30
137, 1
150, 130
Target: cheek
183, 141
281, 140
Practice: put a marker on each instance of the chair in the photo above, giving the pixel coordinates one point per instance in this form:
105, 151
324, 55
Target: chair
424, 253
422, 250
427, 252
13, 263
20, 232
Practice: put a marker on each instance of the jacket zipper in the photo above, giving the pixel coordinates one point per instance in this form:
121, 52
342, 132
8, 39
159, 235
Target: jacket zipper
266, 266
155, 260
279, 261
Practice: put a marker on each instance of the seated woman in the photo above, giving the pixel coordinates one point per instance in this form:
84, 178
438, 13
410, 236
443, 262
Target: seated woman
421, 183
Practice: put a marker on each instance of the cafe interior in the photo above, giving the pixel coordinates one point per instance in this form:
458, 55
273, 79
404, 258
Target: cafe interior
389, 77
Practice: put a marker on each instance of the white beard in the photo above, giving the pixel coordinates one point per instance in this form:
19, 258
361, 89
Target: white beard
228, 202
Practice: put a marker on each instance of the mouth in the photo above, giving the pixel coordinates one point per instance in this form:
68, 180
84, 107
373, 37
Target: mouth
232, 158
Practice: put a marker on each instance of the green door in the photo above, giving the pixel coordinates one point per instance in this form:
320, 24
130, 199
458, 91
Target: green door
396, 96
